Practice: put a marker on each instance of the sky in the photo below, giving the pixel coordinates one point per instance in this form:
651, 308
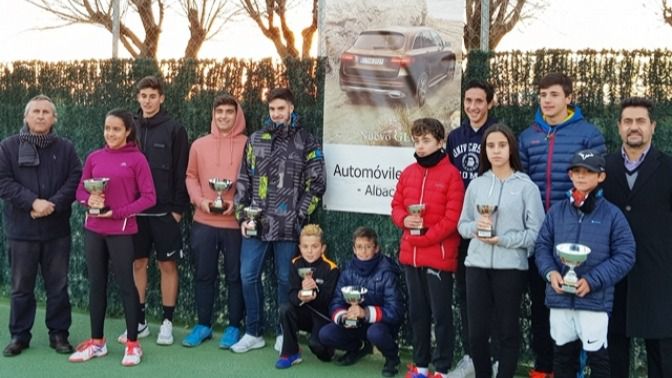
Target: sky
569, 24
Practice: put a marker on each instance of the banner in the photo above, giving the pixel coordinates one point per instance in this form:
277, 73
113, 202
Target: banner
389, 64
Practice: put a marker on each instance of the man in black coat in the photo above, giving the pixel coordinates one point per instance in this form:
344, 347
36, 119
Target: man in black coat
39, 173
639, 182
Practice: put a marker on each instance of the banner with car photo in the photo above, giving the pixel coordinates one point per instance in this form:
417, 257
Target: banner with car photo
389, 64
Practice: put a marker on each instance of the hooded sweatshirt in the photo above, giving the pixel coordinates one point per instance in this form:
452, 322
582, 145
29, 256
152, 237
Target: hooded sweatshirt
516, 221
129, 191
215, 155
463, 147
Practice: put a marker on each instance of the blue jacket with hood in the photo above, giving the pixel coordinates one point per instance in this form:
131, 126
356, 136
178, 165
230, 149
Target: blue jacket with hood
546, 151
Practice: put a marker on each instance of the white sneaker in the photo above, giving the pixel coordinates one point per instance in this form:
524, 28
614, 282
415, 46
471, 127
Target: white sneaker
495, 369
278, 343
143, 331
165, 336
88, 350
248, 342
132, 354
464, 368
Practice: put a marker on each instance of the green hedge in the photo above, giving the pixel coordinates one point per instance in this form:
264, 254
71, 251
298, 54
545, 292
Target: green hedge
85, 90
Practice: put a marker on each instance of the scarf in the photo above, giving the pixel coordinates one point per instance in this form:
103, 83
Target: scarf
365, 268
431, 159
584, 201
28, 156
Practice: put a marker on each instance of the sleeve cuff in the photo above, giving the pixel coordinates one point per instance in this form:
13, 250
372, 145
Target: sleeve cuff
336, 316
375, 314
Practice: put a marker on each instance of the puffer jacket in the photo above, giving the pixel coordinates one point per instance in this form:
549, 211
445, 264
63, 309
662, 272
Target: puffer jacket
441, 189
282, 173
546, 151
383, 299
606, 232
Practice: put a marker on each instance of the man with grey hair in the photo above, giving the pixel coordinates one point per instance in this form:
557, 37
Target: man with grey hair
39, 173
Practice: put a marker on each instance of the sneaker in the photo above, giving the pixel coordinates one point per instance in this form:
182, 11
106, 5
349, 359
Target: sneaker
413, 372
391, 367
464, 368
495, 369
539, 374
197, 336
352, 357
143, 331
165, 336
132, 354
278, 343
248, 342
285, 362
88, 350
231, 336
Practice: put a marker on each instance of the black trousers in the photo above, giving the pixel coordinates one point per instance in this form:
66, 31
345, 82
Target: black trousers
461, 294
566, 361
207, 243
101, 252
293, 319
542, 343
500, 292
52, 258
619, 343
430, 298
659, 357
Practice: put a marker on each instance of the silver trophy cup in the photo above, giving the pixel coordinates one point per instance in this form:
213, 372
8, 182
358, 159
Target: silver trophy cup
220, 186
303, 273
252, 214
416, 209
97, 186
353, 295
572, 255
486, 211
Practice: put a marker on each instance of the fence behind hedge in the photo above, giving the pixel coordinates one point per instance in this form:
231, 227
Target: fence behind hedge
84, 91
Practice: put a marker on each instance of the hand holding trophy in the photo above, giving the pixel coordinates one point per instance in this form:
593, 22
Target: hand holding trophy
486, 211
354, 295
96, 186
417, 210
572, 255
304, 273
252, 214
219, 206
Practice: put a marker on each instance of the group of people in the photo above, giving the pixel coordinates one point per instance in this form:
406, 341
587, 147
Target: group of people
480, 209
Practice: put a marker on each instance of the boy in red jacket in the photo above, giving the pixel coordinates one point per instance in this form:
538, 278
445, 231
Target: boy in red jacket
429, 245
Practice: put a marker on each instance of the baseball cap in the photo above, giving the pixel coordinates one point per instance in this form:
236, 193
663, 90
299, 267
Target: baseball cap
589, 159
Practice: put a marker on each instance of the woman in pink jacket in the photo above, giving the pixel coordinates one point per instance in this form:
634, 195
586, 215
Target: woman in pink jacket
108, 235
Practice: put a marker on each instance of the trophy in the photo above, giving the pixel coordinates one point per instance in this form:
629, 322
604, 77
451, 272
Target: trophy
487, 211
353, 295
416, 209
96, 186
252, 214
572, 255
220, 186
303, 273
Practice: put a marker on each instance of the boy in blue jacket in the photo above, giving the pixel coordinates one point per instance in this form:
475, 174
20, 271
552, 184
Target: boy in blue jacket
581, 320
377, 318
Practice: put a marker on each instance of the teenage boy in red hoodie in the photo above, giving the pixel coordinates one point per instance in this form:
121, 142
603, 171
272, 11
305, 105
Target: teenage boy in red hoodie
216, 155
429, 257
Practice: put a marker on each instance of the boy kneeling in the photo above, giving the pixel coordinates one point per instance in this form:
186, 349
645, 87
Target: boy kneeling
377, 317
312, 283
581, 319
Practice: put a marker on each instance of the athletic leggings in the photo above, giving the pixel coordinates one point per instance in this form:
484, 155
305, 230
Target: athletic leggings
101, 252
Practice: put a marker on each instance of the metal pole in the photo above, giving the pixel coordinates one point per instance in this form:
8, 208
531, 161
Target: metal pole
115, 29
485, 25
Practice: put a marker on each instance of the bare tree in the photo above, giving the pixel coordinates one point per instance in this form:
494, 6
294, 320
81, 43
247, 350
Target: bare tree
504, 15
205, 19
667, 11
267, 13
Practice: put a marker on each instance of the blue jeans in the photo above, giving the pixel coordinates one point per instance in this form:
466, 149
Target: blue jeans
252, 256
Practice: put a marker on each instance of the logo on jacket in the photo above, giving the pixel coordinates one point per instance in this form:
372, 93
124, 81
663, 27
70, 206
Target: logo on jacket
470, 162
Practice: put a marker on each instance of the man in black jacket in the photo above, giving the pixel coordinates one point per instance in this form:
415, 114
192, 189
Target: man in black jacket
639, 182
164, 142
39, 173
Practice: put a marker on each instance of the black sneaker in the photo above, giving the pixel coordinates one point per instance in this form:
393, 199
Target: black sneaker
352, 357
391, 367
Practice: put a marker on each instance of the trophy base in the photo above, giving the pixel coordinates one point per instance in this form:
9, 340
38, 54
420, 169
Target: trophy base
569, 288
218, 210
96, 211
417, 231
306, 293
485, 233
351, 323
250, 232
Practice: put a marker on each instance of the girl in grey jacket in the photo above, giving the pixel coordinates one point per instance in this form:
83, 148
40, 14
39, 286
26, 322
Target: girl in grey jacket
496, 263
